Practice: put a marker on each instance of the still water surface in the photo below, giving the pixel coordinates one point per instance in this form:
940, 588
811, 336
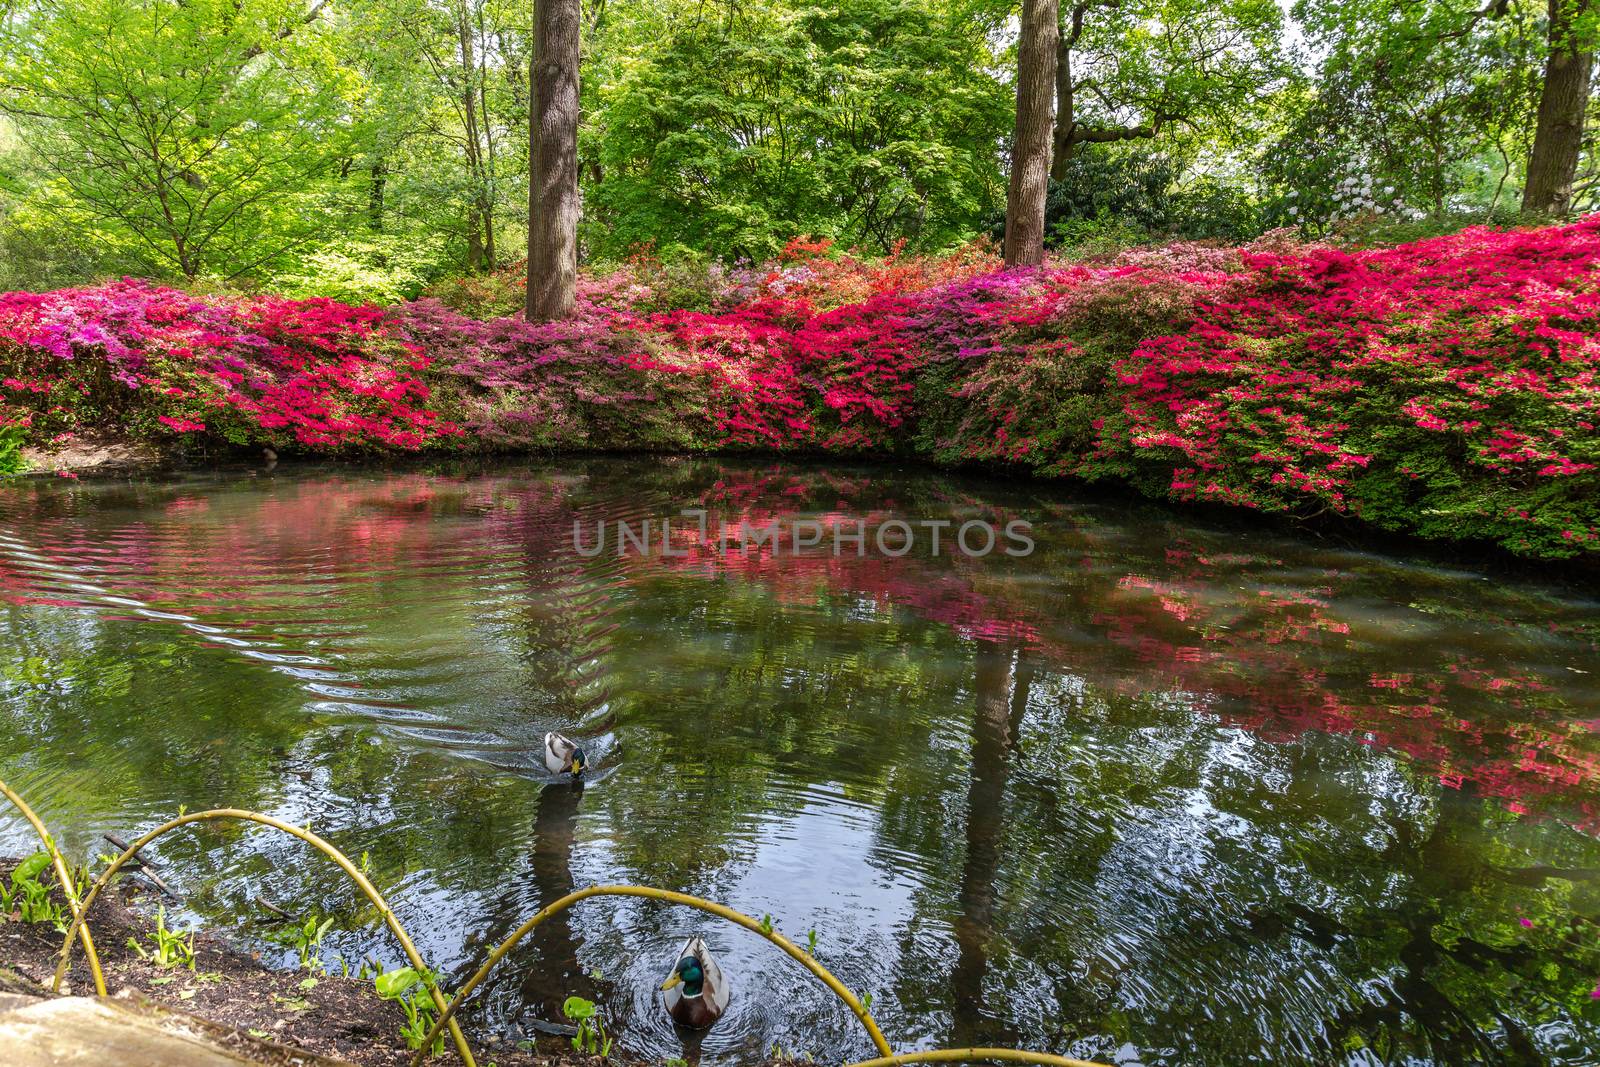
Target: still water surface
1160, 792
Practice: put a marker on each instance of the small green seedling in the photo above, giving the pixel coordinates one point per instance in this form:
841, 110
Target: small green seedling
173, 948
591, 1037
811, 942
306, 939
409, 988
294, 1004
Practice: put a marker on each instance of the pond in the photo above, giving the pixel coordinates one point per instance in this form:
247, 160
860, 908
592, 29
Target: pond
1162, 790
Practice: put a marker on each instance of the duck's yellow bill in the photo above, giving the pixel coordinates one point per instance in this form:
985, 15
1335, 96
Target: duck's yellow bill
670, 982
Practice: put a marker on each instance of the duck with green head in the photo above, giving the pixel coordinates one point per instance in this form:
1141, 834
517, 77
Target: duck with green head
695, 993
562, 755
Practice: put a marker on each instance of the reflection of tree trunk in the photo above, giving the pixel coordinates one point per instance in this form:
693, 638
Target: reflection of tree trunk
558, 975
998, 713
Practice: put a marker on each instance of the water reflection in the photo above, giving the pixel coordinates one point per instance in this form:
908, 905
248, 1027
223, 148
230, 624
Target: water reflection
554, 973
996, 714
1161, 791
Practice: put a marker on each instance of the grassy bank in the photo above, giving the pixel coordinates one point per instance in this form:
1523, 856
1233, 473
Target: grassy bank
1445, 388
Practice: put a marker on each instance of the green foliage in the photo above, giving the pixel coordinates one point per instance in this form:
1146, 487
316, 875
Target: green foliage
369, 270
11, 442
190, 136
1177, 72
1108, 199
29, 897
485, 295
1433, 101
306, 939
368, 150
1382, 231
867, 121
411, 989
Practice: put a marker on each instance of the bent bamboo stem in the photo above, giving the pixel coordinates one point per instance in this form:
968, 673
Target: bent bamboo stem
969, 1055
80, 930
79, 910
720, 910
309, 838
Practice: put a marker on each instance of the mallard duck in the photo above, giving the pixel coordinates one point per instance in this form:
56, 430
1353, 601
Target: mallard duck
696, 994
563, 756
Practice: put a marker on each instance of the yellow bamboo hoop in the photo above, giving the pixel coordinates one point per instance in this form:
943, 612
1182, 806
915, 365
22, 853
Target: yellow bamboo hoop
79, 930
722, 911
309, 838
972, 1055
79, 910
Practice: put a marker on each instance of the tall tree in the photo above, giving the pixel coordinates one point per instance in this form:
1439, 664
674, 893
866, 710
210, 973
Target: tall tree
199, 135
1128, 69
553, 177
1030, 145
1558, 136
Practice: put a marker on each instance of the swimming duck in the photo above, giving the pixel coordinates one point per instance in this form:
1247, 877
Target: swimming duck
696, 995
563, 756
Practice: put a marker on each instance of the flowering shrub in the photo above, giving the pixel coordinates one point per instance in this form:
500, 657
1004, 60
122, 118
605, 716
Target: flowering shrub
592, 381
1446, 388
159, 362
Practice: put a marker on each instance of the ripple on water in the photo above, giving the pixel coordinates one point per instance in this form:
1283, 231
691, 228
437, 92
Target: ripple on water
1147, 794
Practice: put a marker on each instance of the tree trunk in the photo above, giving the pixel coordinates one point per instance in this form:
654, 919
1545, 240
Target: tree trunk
553, 177
1030, 150
379, 172
1061, 150
480, 217
1558, 138
474, 241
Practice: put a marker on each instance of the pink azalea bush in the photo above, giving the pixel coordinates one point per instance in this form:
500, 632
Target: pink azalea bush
1445, 388
159, 362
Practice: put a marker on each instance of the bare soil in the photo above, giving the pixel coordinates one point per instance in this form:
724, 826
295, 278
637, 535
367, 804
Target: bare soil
94, 454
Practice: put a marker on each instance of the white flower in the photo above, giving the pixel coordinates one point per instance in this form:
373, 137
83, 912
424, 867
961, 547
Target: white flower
1293, 193
1293, 212
1388, 190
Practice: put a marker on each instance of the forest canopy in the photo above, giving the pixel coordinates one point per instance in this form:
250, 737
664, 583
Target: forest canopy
364, 149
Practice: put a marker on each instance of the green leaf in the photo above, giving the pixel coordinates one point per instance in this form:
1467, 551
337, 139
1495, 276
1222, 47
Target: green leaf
397, 983
31, 868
